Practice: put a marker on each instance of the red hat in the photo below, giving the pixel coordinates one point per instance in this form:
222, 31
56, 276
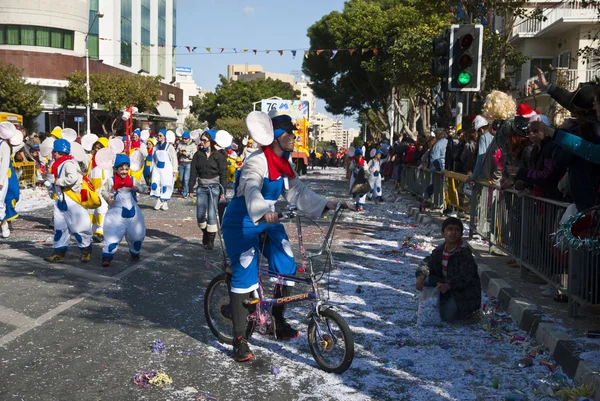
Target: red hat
525, 110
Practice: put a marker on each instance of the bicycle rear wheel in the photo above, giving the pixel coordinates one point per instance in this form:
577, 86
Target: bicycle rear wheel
330, 341
217, 309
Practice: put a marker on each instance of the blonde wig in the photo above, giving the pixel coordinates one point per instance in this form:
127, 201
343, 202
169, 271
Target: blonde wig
499, 106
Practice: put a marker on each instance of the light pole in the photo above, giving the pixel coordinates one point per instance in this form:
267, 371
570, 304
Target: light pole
87, 70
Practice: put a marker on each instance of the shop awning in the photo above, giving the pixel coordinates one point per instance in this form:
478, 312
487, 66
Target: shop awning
166, 110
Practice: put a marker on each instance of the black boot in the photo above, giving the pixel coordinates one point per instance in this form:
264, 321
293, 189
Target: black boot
204, 237
239, 315
283, 330
210, 240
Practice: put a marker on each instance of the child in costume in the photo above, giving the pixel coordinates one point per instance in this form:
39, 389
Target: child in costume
356, 164
164, 171
8, 178
374, 167
98, 176
148, 165
69, 216
124, 217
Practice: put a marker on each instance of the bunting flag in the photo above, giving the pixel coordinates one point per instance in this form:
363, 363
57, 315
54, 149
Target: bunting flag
331, 53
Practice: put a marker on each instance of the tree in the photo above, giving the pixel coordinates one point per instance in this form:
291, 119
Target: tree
363, 80
19, 97
192, 123
235, 99
235, 126
114, 92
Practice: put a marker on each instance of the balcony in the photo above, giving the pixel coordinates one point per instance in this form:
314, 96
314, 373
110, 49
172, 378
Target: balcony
563, 77
559, 19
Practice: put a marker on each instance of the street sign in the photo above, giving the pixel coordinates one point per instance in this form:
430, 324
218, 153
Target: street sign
78, 119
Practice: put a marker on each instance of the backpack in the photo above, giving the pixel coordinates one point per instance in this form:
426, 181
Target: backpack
88, 197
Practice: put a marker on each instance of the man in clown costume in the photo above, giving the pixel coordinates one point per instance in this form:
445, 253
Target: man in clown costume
97, 176
374, 167
69, 216
266, 175
164, 170
124, 218
7, 177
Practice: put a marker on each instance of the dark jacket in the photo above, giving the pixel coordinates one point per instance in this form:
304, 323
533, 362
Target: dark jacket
449, 156
543, 171
463, 278
207, 168
469, 156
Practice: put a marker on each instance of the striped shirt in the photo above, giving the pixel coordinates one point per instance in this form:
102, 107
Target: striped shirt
445, 257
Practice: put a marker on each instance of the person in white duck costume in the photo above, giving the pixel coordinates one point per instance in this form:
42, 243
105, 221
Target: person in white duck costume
164, 170
98, 176
266, 175
374, 167
69, 216
124, 217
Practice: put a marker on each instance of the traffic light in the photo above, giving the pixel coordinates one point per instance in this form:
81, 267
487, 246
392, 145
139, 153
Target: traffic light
439, 63
466, 42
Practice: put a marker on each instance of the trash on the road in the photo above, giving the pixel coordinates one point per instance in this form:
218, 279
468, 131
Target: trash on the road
525, 363
515, 397
405, 363
178, 255
152, 378
495, 383
275, 371
358, 289
158, 345
190, 390
576, 393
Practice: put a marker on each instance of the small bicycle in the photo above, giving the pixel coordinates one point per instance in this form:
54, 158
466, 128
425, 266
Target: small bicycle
329, 338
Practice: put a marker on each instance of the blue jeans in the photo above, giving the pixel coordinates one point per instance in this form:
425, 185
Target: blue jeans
184, 176
207, 200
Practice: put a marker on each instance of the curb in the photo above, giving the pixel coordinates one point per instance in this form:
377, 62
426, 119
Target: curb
532, 320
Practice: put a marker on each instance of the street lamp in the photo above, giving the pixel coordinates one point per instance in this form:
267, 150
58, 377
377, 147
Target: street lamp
87, 69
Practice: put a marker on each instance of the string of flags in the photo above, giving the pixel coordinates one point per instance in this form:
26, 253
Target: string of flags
222, 50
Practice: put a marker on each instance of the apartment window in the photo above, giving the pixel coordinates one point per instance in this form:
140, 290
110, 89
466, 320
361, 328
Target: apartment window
145, 33
162, 35
126, 32
564, 60
174, 56
93, 42
543, 63
31, 35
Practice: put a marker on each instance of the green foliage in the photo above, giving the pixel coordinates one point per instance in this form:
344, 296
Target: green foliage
18, 96
192, 123
114, 92
235, 99
235, 126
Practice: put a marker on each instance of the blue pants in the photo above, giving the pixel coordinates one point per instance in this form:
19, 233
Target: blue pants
207, 199
184, 176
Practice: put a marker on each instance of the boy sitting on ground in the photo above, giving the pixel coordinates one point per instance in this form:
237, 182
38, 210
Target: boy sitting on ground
453, 271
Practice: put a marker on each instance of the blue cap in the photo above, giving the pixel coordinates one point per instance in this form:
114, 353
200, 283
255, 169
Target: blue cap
358, 152
62, 146
120, 160
186, 135
137, 131
282, 124
378, 152
163, 131
212, 133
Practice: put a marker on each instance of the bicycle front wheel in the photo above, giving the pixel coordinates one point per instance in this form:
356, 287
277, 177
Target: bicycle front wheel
330, 341
217, 309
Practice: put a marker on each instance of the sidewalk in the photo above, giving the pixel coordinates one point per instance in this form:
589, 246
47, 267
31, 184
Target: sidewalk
544, 319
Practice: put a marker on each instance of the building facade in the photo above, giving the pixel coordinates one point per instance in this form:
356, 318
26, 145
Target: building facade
553, 45
47, 40
184, 80
326, 128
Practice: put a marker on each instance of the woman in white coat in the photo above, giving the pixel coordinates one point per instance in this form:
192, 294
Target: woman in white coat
374, 167
164, 170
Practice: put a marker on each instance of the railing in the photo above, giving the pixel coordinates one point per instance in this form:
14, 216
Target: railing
564, 77
425, 184
553, 14
522, 226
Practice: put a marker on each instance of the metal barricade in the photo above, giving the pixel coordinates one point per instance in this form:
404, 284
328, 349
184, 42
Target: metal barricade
454, 194
426, 185
26, 173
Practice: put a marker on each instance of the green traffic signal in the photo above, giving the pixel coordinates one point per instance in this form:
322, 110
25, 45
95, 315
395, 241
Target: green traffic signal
464, 78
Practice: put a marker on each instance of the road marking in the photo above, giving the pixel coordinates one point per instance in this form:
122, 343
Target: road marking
14, 318
27, 325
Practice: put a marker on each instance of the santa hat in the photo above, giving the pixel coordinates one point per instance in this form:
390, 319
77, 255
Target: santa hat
525, 110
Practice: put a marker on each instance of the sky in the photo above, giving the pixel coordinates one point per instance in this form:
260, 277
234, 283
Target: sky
250, 24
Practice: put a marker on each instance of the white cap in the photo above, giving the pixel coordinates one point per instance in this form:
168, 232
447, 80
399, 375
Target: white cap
479, 122
223, 138
88, 141
7, 130
260, 127
541, 117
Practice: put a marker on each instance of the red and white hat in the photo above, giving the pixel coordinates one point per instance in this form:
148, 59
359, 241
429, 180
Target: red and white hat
525, 110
